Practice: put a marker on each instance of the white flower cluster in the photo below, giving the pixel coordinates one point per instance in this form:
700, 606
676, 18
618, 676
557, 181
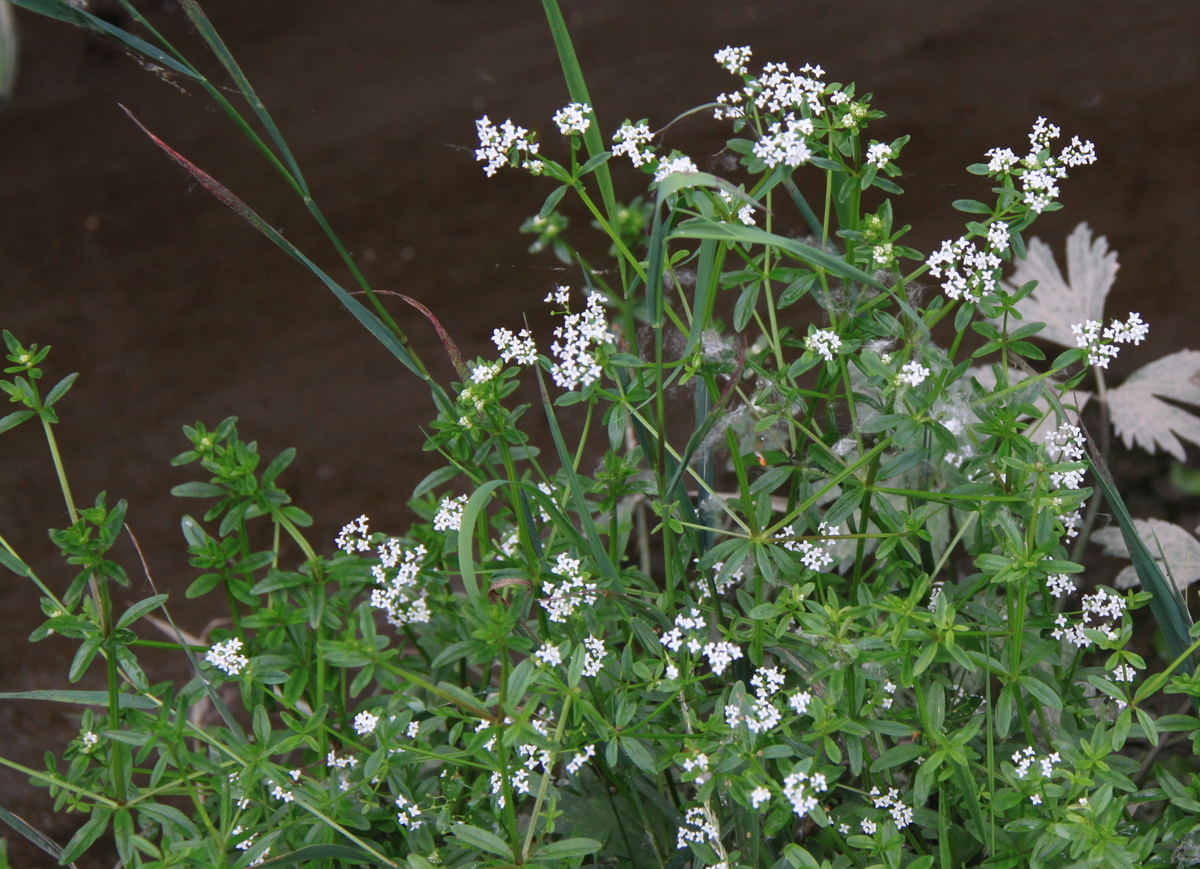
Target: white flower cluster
1039, 171
631, 141
697, 828
800, 789
365, 722
814, 556
334, 762
1066, 444
722, 584
354, 537
225, 656
401, 597
89, 741
535, 756
500, 145
878, 154
593, 657
1123, 673
823, 342
517, 348
734, 59
1103, 607
580, 758
763, 716
572, 119
698, 765
550, 656
745, 214
450, 513
759, 795
1060, 584
901, 814
409, 815
913, 373
1101, 346
1027, 757
576, 341
889, 691
784, 142
967, 272
677, 163
563, 598
720, 654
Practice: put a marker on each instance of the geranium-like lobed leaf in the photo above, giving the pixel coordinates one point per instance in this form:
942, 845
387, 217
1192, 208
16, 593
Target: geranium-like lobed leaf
1139, 414
1182, 551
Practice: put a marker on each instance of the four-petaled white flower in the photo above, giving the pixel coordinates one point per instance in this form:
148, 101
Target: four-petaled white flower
823, 342
364, 723
450, 513
572, 119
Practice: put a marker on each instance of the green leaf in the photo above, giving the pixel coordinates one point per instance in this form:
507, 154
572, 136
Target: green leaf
705, 228
483, 840
83, 658
140, 609
13, 563
60, 389
971, 206
434, 479
310, 853
1044, 694
85, 698
14, 419
565, 849
86, 835
279, 464
197, 490
35, 836
898, 756
638, 753
466, 537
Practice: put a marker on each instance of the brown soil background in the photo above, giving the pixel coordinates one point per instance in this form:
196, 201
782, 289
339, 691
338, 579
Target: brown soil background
174, 311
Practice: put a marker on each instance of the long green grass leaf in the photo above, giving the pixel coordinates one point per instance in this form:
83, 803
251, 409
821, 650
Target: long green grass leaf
466, 533
1169, 609
85, 698
577, 88
702, 227
204, 27
64, 11
32, 834
373, 324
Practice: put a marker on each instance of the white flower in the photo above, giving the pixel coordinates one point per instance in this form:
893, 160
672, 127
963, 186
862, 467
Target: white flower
225, 655
800, 790
353, 537
734, 59
630, 139
364, 723
573, 119
90, 740
577, 340
1036, 799
968, 273
1124, 673
878, 155
680, 164
799, 702
759, 795
767, 681
721, 655
998, 236
824, 343
551, 656
519, 347
563, 598
481, 374
497, 146
580, 759
1060, 584
450, 513
697, 828
403, 599
868, 826
414, 729
593, 659
280, 794
913, 373
784, 142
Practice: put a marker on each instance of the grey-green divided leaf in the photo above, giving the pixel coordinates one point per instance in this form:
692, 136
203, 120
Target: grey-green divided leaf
482, 840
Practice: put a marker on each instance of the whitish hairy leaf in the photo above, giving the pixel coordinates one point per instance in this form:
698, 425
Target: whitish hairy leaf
1140, 416
1182, 551
1060, 304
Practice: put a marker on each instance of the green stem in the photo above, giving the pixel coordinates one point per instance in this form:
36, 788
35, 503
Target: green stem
59, 469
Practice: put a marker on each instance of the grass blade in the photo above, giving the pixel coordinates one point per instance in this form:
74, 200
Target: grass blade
466, 531
33, 835
64, 11
1168, 607
85, 698
577, 88
374, 325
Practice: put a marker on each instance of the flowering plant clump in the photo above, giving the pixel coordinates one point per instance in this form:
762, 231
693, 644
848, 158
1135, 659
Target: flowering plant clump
799, 595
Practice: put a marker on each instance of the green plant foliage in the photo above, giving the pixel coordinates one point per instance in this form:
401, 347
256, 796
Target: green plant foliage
794, 593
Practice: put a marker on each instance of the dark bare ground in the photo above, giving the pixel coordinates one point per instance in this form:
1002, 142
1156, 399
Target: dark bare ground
175, 311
